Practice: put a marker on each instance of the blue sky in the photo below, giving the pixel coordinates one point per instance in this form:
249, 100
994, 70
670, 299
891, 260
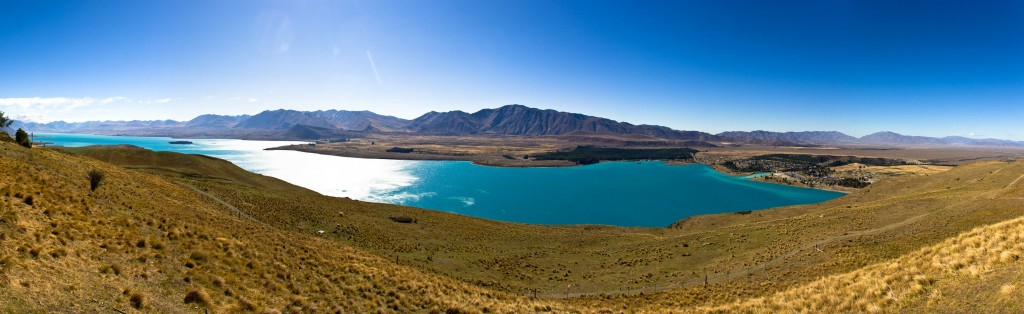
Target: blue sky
932, 68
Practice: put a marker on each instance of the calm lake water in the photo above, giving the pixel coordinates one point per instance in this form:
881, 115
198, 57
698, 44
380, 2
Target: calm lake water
613, 193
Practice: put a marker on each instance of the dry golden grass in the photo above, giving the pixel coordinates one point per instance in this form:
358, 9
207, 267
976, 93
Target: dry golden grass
902, 170
204, 235
920, 280
525, 258
945, 155
142, 243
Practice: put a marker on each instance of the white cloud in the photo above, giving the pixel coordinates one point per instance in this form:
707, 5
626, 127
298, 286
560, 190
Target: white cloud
47, 103
45, 109
30, 118
114, 99
153, 101
245, 99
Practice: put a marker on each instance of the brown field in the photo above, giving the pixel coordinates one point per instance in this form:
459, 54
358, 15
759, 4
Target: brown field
895, 171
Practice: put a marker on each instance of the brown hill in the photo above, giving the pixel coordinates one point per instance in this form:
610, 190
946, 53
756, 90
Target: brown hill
140, 242
173, 228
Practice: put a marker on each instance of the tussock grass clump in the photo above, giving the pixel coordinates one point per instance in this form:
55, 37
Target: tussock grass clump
137, 301
197, 296
95, 177
403, 219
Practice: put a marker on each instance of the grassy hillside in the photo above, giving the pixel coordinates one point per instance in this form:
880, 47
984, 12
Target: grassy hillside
979, 271
141, 242
171, 226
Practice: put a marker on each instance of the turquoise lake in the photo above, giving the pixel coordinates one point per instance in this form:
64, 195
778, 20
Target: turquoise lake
649, 193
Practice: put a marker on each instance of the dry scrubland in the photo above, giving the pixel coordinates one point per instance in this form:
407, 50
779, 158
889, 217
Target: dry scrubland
185, 233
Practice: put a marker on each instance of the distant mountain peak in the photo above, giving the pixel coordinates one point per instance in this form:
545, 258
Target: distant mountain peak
511, 119
788, 138
518, 119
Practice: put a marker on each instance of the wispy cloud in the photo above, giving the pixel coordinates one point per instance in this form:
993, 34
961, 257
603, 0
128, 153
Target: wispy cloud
373, 66
158, 101
114, 99
46, 103
42, 109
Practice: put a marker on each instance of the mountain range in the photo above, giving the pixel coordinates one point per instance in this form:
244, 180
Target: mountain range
506, 120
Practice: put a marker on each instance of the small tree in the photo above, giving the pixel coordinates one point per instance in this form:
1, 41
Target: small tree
5, 122
95, 177
22, 138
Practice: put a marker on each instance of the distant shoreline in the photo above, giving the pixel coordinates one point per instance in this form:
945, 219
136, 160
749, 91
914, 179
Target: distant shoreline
502, 151
529, 164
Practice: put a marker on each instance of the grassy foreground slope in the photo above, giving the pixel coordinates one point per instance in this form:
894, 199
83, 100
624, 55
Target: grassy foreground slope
742, 256
141, 242
976, 272
232, 240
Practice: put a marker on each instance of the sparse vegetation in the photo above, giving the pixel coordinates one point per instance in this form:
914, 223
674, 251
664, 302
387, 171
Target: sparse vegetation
22, 138
251, 244
404, 219
584, 155
5, 121
405, 150
95, 177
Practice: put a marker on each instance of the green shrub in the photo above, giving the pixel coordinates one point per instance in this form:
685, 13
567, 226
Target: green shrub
22, 138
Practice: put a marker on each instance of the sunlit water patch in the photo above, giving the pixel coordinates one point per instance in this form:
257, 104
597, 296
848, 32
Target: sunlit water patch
362, 179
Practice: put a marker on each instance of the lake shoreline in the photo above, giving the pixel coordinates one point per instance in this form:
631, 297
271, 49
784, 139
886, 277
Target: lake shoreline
520, 164
491, 192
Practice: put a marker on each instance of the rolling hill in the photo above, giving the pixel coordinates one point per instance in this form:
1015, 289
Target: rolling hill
181, 233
